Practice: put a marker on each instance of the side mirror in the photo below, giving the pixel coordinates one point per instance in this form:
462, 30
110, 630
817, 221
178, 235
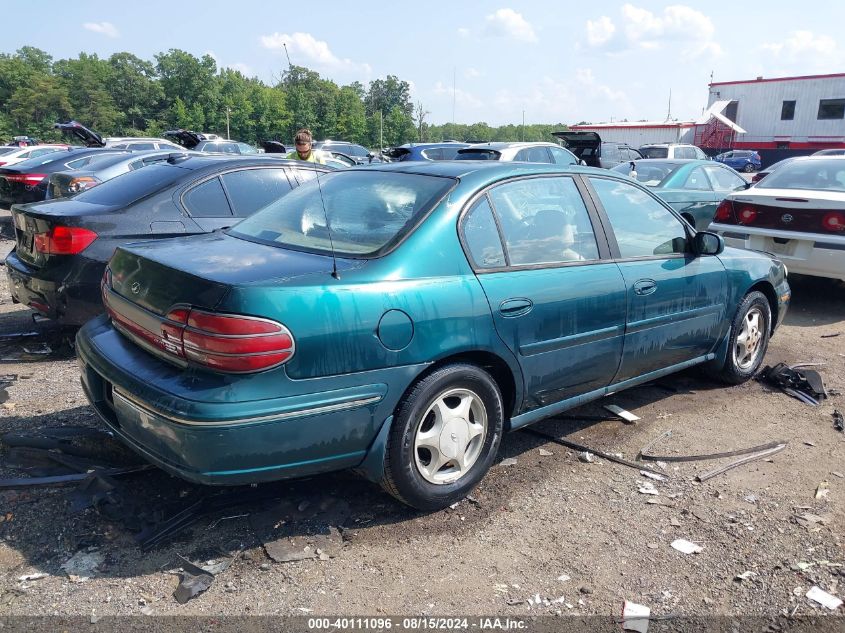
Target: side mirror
582, 162
706, 243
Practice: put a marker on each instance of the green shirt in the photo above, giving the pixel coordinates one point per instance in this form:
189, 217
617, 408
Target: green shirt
313, 157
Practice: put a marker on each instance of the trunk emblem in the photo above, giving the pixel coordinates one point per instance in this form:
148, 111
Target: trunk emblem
135, 288
786, 218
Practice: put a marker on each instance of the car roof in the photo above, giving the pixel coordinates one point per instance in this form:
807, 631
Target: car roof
499, 145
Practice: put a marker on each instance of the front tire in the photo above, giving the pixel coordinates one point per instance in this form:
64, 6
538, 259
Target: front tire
445, 435
748, 340
748, 168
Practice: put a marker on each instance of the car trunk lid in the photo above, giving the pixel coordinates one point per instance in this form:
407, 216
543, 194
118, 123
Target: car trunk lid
185, 138
90, 138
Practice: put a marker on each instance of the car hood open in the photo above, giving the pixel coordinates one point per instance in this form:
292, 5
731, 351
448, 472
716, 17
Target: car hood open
578, 140
91, 139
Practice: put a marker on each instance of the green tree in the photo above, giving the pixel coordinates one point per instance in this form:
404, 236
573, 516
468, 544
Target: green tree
137, 94
87, 80
193, 81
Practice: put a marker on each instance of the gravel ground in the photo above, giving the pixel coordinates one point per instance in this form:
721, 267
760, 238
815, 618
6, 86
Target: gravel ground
578, 535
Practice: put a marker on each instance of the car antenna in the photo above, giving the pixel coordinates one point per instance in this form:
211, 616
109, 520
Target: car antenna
328, 228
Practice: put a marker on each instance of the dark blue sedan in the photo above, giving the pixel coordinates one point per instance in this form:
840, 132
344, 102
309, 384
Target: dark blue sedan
424, 151
746, 160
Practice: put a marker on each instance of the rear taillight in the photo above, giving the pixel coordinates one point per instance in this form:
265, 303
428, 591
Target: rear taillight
724, 212
834, 221
746, 214
82, 183
28, 179
229, 343
2, 162
64, 240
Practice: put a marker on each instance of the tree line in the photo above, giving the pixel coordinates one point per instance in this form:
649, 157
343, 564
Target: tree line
125, 95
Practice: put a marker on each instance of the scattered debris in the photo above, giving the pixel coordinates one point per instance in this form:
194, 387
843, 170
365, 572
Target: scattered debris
564, 577
646, 456
806, 386
627, 416
834, 335
28, 577
81, 566
686, 547
584, 449
545, 453
648, 489
836, 473
838, 421
809, 443
775, 448
822, 489
194, 580
746, 575
635, 617
807, 519
750, 498
586, 457
651, 475
508, 461
824, 598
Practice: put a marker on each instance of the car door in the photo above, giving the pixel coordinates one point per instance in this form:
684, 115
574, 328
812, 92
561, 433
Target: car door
558, 302
676, 300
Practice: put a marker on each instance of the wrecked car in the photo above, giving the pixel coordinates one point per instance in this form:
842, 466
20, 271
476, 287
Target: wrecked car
399, 319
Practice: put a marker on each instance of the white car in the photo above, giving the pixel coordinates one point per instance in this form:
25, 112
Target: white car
796, 213
11, 155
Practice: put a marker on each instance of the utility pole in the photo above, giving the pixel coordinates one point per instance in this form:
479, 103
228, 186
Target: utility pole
523, 125
381, 130
454, 73
228, 110
290, 66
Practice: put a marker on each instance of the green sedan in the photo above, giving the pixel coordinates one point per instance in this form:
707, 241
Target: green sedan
694, 188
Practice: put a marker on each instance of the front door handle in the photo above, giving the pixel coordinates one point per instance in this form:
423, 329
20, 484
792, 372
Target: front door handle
515, 307
644, 287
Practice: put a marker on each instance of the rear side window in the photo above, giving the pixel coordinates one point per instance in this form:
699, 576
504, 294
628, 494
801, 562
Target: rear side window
140, 146
609, 151
654, 152
478, 154
533, 155
435, 153
723, 179
133, 185
252, 189
482, 236
449, 153
544, 221
207, 200
562, 157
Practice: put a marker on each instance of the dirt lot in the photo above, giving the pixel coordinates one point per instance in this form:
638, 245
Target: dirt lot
578, 535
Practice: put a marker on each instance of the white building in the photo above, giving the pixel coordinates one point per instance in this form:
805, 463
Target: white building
777, 117
798, 114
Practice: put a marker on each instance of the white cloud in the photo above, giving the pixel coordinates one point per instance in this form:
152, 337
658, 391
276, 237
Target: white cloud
509, 23
463, 32
684, 29
105, 28
600, 31
801, 43
472, 73
244, 69
306, 50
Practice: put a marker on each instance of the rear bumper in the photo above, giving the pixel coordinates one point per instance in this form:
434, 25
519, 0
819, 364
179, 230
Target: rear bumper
804, 253
205, 433
71, 300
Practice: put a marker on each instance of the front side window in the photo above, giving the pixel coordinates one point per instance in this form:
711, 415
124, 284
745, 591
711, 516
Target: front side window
609, 151
832, 109
207, 200
643, 227
482, 237
252, 189
356, 212
544, 221
787, 111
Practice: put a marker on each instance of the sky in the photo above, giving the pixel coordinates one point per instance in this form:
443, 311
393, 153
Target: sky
471, 61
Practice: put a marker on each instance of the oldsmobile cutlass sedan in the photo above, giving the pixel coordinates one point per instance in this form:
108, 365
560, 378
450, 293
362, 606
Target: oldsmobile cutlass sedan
400, 319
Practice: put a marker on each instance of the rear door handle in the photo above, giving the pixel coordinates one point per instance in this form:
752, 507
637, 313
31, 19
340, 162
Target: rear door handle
515, 307
644, 287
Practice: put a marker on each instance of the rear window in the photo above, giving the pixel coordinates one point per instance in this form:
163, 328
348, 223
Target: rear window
132, 185
825, 174
478, 154
650, 174
654, 152
359, 212
40, 161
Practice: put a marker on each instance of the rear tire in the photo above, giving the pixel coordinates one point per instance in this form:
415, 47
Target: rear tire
748, 341
445, 435
748, 168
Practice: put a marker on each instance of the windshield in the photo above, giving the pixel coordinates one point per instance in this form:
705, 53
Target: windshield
650, 174
366, 210
827, 174
478, 154
654, 152
132, 185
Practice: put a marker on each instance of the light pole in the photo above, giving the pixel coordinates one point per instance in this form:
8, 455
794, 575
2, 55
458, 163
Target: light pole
227, 122
523, 125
